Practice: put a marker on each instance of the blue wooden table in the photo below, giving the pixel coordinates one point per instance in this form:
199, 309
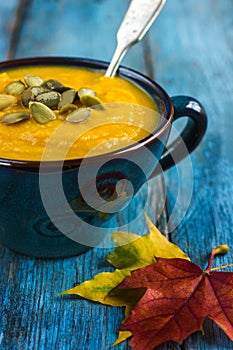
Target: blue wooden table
188, 50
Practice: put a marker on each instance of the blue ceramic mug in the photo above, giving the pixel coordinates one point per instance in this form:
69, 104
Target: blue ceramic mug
34, 219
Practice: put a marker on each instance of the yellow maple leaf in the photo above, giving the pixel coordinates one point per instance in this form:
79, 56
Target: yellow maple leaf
132, 252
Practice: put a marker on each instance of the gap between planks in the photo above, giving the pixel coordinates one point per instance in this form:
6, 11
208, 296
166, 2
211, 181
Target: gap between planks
19, 17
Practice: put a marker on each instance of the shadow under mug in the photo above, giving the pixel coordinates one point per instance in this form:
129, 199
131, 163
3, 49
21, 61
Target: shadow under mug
35, 220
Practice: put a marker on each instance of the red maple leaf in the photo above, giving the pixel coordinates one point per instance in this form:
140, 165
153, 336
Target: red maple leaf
179, 296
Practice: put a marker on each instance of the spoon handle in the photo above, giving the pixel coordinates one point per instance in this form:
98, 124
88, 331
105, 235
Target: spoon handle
138, 19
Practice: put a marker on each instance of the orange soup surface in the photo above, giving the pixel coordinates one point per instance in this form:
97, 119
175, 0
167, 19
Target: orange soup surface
126, 114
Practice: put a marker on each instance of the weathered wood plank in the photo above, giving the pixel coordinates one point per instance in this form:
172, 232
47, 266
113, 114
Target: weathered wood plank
80, 29
7, 22
201, 61
195, 58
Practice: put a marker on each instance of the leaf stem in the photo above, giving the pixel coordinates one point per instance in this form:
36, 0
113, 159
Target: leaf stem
221, 267
221, 249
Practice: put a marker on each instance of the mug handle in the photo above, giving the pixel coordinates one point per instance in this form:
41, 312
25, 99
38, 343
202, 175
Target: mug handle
190, 137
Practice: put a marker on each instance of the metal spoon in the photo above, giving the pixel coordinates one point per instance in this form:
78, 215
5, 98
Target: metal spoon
138, 19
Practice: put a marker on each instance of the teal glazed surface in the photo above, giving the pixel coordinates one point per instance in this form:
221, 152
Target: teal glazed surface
25, 225
188, 51
33, 232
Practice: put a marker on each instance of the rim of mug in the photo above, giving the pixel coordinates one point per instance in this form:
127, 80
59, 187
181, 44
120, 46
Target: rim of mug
132, 75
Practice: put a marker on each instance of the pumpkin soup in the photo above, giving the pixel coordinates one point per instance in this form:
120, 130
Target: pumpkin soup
71, 108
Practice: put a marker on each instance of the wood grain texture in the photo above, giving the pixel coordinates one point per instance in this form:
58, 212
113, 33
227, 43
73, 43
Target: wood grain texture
7, 21
196, 60
188, 51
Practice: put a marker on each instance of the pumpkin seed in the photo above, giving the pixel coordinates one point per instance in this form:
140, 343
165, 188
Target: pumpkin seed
6, 101
67, 108
67, 97
15, 87
41, 113
91, 101
15, 117
53, 84
85, 91
50, 99
78, 115
26, 97
33, 80
37, 90
30, 94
